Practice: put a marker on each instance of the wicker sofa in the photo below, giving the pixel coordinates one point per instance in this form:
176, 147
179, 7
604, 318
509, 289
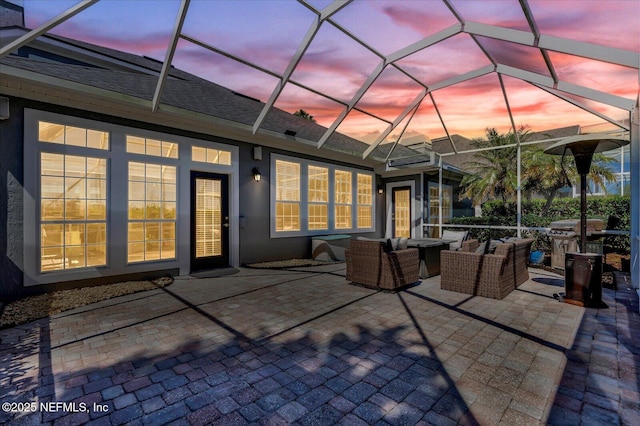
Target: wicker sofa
369, 265
487, 275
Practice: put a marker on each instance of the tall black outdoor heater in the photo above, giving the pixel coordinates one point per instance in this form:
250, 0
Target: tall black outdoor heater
583, 271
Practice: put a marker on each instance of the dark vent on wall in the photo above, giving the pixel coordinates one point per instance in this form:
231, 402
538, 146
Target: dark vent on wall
245, 96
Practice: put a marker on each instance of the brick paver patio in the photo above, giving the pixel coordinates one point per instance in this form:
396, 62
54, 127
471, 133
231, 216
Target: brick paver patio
304, 347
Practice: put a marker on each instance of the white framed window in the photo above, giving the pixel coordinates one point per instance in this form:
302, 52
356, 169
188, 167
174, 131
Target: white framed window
151, 228
365, 201
343, 189
154, 147
72, 135
287, 206
318, 184
210, 155
313, 198
73, 212
102, 199
434, 202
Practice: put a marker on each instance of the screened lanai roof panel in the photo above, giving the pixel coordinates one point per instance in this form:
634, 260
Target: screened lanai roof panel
389, 25
607, 111
515, 55
268, 33
224, 71
362, 127
468, 108
250, 30
405, 143
612, 23
323, 110
335, 64
123, 26
444, 60
389, 95
539, 110
425, 122
505, 13
597, 75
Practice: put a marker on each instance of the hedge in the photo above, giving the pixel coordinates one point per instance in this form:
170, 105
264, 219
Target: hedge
615, 210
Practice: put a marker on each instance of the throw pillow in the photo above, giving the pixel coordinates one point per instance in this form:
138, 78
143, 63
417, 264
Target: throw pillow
403, 243
458, 236
388, 247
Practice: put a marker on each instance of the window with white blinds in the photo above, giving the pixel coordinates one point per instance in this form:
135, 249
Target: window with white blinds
343, 189
287, 196
365, 201
318, 183
312, 198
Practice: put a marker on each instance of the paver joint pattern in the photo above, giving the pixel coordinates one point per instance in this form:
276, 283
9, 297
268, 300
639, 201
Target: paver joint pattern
304, 347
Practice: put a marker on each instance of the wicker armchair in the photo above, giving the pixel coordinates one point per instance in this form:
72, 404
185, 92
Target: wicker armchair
370, 266
487, 275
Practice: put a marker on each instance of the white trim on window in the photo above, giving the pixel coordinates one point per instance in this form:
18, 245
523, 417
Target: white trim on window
117, 196
304, 199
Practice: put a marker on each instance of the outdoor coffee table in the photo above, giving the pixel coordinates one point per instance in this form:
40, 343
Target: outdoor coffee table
429, 253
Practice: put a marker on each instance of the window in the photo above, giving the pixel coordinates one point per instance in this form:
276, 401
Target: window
70, 135
211, 156
73, 211
157, 148
318, 179
343, 199
365, 201
434, 202
313, 198
152, 212
287, 196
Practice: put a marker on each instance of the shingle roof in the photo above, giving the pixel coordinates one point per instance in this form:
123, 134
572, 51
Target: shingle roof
196, 95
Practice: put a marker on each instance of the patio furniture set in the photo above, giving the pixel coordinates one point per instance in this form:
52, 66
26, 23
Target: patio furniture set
489, 269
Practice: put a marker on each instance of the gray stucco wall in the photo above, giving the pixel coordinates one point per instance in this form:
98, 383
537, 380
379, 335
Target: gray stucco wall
11, 179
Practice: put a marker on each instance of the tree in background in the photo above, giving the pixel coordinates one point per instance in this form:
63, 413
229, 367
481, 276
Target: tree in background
546, 174
304, 114
495, 170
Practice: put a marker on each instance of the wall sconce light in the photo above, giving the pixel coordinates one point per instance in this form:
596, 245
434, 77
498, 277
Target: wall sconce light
256, 174
380, 189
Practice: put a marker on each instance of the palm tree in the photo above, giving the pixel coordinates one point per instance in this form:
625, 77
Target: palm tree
304, 114
494, 170
546, 174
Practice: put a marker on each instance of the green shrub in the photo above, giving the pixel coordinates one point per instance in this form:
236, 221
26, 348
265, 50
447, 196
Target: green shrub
614, 210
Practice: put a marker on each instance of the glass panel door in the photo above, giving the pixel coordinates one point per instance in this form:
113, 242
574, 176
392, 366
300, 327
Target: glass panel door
209, 221
401, 199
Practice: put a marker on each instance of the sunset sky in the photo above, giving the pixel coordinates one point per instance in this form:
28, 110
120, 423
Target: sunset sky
269, 32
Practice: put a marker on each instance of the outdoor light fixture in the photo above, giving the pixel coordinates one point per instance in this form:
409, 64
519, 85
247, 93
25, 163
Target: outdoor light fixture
256, 174
380, 189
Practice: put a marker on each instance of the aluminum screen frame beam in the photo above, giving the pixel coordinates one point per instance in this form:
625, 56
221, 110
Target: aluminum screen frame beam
168, 59
634, 154
326, 13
